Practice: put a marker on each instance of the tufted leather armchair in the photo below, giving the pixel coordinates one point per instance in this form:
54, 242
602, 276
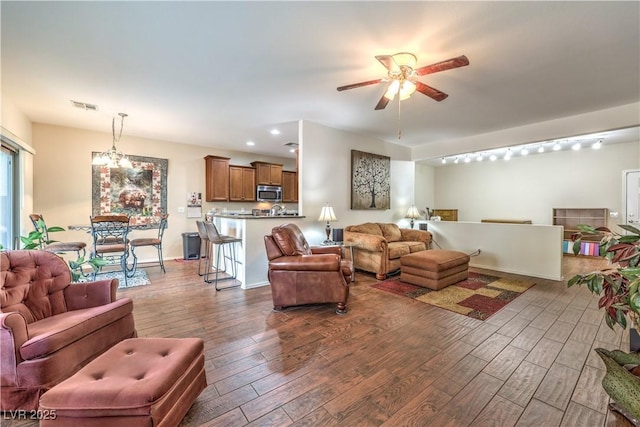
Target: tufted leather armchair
50, 328
301, 275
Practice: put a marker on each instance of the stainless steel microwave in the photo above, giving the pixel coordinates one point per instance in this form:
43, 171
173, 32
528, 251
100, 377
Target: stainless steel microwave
269, 193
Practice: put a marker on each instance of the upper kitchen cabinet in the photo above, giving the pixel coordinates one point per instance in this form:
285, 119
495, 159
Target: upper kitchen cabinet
289, 186
217, 178
242, 185
268, 173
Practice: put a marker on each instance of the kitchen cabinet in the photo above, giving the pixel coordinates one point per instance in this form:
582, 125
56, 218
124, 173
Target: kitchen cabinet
242, 184
268, 173
216, 179
289, 186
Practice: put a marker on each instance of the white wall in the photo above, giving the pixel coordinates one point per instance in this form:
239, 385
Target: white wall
325, 163
530, 187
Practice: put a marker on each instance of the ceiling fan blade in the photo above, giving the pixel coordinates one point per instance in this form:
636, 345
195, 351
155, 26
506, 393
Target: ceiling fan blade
382, 103
356, 85
388, 62
430, 92
459, 61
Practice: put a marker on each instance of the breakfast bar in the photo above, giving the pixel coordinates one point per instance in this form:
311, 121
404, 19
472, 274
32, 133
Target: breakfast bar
251, 255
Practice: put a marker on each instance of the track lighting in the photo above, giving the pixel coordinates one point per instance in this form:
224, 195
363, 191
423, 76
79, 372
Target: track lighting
596, 145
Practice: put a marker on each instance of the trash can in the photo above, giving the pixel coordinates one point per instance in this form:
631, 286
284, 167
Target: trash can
191, 245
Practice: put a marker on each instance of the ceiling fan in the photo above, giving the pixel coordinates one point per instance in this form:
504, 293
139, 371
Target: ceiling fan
402, 72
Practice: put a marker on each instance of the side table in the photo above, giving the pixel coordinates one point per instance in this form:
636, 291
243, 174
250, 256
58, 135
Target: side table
344, 246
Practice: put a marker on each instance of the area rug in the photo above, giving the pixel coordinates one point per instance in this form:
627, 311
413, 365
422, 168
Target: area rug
140, 278
479, 296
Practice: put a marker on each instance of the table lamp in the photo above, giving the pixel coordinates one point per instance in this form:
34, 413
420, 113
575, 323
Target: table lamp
412, 213
327, 215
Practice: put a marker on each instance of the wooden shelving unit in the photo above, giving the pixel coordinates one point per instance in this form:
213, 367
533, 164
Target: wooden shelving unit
570, 218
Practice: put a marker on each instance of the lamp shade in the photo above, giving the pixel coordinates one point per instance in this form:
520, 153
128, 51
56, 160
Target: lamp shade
327, 214
413, 213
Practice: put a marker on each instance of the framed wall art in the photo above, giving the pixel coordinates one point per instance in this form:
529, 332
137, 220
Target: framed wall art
139, 191
370, 181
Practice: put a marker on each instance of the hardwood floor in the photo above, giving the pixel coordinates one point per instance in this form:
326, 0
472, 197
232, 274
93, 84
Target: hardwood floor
390, 361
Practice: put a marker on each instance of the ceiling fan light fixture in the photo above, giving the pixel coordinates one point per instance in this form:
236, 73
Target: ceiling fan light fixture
405, 59
407, 89
392, 90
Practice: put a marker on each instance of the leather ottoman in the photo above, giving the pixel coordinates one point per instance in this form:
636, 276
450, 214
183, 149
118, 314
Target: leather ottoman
138, 382
434, 269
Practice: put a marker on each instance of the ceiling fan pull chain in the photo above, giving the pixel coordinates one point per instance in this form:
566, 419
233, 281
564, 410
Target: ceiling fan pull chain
399, 127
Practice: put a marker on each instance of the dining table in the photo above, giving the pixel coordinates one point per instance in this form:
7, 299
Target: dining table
140, 226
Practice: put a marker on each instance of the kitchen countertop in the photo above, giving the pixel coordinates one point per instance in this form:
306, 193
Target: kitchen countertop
249, 216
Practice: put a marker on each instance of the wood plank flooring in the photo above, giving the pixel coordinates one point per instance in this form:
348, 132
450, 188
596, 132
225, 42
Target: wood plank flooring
390, 361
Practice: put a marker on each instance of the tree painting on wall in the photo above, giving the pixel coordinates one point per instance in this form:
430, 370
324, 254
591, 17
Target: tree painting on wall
370, 181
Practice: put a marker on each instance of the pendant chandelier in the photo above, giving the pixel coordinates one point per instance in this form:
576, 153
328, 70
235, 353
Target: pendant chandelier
113, 158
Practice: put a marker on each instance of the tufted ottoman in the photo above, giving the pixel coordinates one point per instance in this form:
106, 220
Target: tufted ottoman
137, 382
434, 269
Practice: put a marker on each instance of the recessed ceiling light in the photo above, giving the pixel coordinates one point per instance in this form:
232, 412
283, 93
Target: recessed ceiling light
275, 132
251, 143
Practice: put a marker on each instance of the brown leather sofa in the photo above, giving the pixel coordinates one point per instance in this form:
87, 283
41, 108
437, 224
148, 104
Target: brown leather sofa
49, 327
301, 275
377, 247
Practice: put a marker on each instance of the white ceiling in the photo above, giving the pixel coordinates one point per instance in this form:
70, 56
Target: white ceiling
222, 73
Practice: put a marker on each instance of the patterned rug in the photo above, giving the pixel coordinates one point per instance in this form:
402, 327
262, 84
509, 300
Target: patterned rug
140, 278
479, 296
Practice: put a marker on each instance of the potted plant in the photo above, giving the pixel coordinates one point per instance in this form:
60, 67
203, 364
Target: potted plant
618, 286
36, 240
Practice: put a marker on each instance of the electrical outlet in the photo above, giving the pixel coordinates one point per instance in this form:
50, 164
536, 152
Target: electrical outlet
613, 214
181, 209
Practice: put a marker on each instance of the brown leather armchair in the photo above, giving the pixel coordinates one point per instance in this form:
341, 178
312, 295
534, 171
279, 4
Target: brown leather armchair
50, 328
301, 275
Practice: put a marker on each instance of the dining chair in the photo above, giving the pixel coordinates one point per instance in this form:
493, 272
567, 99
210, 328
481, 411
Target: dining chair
155, 242
56, 247
225, 249
110, 241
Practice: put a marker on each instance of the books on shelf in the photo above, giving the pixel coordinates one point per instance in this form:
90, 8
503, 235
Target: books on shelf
586, 248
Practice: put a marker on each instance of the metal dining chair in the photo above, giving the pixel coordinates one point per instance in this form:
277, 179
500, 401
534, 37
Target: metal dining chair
56, 247
225, 250
110, 241
149, 241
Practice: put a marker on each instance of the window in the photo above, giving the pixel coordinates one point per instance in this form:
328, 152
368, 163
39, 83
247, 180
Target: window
8, 196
